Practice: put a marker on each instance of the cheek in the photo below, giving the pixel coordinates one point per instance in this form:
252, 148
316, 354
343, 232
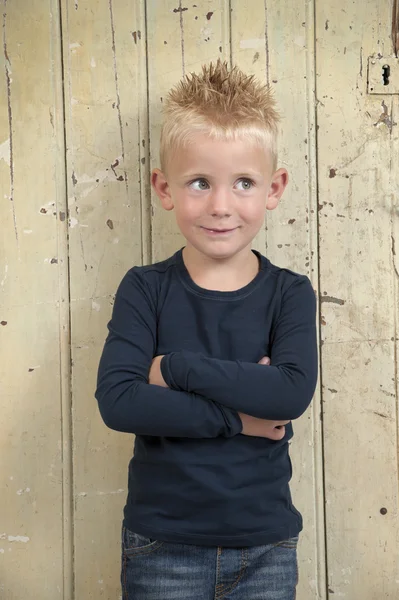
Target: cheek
254, 212
186, 212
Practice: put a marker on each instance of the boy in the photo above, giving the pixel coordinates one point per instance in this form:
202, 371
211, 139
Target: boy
185, 366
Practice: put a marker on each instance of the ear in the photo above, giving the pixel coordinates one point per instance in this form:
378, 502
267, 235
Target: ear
162, 189
277, 187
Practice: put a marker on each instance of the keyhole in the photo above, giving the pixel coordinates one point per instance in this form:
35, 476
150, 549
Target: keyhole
386, 71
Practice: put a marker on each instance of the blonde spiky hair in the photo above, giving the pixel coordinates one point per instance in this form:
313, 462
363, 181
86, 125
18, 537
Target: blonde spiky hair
224, 103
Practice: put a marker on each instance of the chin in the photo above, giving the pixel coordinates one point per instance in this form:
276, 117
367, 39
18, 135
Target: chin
219, 251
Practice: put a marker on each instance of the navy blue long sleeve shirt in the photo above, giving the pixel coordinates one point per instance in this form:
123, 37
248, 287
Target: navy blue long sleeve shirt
194, 477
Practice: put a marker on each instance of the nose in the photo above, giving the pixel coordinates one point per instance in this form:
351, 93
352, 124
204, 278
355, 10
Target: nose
219, 204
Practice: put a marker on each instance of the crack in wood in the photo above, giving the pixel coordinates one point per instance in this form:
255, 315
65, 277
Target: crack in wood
7, 65
395, 27
118, 102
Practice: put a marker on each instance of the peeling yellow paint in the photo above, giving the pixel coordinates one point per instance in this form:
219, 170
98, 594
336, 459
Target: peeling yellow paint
76, 213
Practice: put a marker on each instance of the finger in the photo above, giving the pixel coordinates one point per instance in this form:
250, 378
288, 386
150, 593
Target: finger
264, 361
279, 433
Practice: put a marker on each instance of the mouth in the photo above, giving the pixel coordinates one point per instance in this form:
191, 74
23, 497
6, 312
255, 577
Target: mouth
218, 231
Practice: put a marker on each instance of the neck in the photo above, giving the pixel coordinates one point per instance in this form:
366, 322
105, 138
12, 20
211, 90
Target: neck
225, 274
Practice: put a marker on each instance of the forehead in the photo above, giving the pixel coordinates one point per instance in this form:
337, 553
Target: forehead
209, 155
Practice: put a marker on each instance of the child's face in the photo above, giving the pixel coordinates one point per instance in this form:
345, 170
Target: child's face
220, 191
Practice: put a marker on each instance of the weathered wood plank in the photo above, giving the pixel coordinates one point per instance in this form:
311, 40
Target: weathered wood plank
106, 108
275, 42
32, 288
357, 165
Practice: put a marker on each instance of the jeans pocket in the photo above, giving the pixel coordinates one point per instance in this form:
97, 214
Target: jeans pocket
291, 543
134, 544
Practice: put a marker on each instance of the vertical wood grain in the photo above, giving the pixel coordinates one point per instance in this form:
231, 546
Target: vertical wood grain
107, 139
276, 42
358, 157
33, 305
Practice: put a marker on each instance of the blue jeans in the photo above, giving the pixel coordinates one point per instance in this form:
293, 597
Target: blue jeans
155, 570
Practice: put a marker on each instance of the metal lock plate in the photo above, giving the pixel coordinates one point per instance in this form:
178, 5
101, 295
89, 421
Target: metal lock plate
383, 75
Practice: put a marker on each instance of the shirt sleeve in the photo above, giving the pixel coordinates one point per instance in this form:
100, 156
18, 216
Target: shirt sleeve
281, 391
126, 401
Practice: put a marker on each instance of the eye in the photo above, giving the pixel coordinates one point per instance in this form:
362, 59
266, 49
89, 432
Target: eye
203, 184
248, 184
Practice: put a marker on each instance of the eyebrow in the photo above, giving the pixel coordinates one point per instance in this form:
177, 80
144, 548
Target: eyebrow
249, 174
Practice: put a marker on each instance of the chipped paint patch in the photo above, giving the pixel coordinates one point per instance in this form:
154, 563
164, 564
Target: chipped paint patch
252, 43
18, 538
332, 300
74, 46
5, 151
93, 180
84, 494
206, 31
385, 117
300, 41
95, 306
93, 63
2, 282
73, 222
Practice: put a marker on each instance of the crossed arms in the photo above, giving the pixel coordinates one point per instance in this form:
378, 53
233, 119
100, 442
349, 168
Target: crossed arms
204, 395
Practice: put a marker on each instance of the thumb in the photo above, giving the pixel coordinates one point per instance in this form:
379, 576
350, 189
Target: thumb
264, 361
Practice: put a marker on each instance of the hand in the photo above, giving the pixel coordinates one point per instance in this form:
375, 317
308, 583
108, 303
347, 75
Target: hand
272, 430
252, 426
155, 375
